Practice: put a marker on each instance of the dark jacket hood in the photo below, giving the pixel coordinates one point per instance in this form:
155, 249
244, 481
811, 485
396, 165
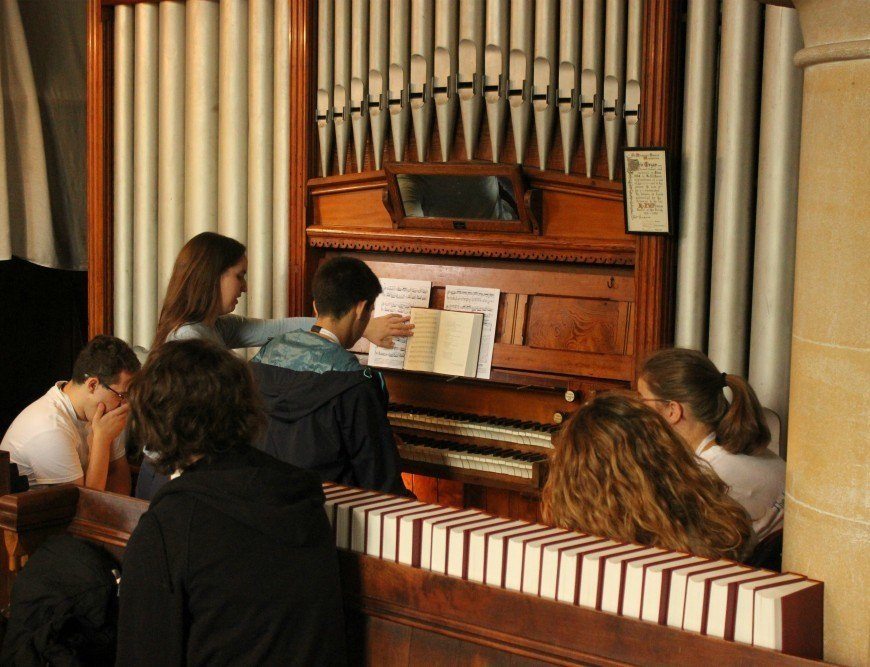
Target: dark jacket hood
255, 489
291, 395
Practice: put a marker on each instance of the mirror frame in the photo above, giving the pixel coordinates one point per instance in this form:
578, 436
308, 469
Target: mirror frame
528, 199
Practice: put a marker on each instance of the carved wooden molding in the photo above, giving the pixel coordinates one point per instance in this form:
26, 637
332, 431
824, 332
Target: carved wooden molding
495, 247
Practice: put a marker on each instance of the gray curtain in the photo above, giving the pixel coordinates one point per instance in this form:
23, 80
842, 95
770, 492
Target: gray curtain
43, 174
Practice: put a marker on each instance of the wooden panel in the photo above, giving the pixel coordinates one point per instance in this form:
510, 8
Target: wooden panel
451, 493
512, 277
444, 650
525, 507
99, 168
498, 502
356, 208
567, 214
426, 488
433, 391
369, 636
583, 325
611, 366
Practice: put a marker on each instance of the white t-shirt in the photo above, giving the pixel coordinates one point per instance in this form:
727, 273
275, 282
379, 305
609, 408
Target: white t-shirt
49, 443
756, 481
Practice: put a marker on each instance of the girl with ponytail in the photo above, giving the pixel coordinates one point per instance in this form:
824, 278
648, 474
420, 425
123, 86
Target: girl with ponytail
687, 389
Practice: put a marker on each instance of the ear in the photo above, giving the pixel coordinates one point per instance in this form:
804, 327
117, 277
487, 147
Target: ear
360, 309
674, 412
91, 384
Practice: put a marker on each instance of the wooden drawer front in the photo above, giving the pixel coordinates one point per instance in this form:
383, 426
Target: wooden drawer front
582, 325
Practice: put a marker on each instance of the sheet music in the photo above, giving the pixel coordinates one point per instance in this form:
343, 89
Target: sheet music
421, 348
399, 296
477, 300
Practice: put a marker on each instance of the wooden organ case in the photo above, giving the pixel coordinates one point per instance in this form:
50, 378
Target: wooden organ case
528, 82
581, 302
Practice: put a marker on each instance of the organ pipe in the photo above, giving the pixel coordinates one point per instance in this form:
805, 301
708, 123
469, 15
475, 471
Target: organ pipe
614, 79
520, 64
495, 78
569, 77
733, 212
591, 82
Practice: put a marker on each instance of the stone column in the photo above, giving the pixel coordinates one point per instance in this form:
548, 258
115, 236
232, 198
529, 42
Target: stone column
827, 526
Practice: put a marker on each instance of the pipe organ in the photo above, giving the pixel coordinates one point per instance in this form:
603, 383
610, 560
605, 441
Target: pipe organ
439, 62
460, 83
580, 302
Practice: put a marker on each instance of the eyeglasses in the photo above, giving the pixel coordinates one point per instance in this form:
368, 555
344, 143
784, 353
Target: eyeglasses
654, 400
120, 394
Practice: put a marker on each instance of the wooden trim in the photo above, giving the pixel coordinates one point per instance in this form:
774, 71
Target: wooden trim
470, 244
549, 181
302, 83
660, 109
99, 193
571, 363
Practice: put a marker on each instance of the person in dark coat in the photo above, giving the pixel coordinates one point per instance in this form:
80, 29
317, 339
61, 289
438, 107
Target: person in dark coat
327, 412
333, 423
234, 562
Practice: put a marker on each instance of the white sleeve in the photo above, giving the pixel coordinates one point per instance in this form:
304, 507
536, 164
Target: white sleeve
119, 446
53, 457
238, 331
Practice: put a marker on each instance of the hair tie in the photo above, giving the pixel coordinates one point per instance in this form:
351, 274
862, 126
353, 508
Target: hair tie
724, 380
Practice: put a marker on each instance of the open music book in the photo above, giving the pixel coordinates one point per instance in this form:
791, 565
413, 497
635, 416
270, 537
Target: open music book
444, 341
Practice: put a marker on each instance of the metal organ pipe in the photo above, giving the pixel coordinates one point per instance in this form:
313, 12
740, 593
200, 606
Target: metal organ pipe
260, 99
569, 77
170, 143
145, 174
341, 94
776, 210
232, 210
733, 212
591, 82
520, 64
379, 64
444, 70
495, 77
122, 177
281, 163
421, 73
201, 117
614, 79
359, 71
696, 187
469, 82
544, 75
400, 75
325, 81
633, 71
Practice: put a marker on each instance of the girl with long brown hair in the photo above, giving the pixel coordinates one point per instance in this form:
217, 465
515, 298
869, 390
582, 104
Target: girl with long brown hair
687, 389
619, 471
208, 278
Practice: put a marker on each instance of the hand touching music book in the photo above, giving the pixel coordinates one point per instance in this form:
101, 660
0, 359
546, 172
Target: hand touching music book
444, 341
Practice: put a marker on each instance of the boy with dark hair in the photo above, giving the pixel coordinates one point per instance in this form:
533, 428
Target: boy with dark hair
344, 291
72, 433
326, 412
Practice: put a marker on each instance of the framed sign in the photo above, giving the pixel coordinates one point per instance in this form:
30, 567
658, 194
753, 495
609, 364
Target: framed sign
645, 191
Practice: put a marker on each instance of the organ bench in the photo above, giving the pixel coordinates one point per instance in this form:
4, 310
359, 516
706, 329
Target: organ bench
404, 615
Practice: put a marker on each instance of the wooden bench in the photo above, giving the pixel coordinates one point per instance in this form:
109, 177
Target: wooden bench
398, 615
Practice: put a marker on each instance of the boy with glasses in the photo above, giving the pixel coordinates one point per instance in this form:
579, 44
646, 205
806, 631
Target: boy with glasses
72, 434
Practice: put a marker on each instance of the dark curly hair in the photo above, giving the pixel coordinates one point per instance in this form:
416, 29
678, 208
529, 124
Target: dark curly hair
104, 357
193, 400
